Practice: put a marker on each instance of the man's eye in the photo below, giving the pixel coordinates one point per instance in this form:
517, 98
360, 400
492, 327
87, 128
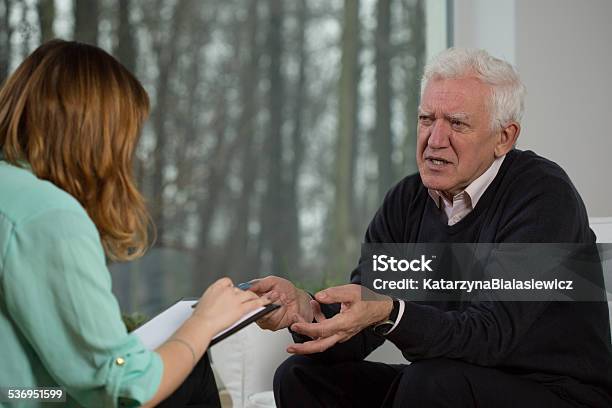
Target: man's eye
425, 120
458, 124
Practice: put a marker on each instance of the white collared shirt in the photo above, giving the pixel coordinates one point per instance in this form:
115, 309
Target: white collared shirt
464, 202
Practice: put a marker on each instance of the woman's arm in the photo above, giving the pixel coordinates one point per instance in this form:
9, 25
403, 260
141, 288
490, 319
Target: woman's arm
57, 292
220, 306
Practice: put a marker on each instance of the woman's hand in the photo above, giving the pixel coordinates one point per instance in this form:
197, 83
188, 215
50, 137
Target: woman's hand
222, 304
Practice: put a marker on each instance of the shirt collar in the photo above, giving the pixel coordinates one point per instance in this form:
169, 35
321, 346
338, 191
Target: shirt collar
476, 189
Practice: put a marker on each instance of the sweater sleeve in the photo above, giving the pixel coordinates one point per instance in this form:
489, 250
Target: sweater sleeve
547, 211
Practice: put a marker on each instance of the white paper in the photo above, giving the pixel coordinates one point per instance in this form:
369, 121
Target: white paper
159, 329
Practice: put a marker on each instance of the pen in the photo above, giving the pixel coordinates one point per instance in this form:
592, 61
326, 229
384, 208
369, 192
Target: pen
243, 286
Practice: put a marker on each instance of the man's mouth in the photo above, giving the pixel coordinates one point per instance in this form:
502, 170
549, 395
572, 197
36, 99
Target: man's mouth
438, 161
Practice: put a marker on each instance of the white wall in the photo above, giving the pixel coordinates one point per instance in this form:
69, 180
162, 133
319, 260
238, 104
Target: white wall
563, 53
486, 24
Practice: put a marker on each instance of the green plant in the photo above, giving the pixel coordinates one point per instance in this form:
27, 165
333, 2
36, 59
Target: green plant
133, 321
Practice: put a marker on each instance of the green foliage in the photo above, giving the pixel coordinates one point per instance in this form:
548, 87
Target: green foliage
133, 321
313, 286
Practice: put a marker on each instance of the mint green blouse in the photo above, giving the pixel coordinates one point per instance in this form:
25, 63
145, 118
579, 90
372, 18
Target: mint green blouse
60, 324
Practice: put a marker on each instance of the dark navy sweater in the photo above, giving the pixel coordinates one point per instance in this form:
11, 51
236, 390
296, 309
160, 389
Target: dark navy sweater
564, 345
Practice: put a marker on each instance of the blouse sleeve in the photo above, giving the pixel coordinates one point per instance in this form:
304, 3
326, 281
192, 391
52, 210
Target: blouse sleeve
58, 292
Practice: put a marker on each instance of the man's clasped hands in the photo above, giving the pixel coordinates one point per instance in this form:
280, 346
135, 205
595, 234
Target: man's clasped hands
360, 308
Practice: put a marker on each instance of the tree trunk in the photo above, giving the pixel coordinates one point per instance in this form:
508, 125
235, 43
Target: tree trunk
125, 50
86, 19
293, 220
274, 209
218, 167
239, 253
25, 29
343, 242
6, 32
166, 56
188, 119
383, 138
46, 15
416, 20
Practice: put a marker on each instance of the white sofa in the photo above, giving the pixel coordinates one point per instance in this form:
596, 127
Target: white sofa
602, 226
246, 361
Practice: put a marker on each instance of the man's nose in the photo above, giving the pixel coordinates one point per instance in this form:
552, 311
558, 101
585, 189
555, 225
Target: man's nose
440, 135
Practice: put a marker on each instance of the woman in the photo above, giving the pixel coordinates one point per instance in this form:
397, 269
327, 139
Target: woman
70, 116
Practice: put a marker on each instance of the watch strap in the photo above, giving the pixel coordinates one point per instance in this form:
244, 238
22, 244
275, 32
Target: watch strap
394, 311
382, 328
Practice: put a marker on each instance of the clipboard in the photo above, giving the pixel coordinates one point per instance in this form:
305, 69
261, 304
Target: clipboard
160, 328
243, 322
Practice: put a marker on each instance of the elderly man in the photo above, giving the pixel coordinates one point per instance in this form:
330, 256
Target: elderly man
472, 186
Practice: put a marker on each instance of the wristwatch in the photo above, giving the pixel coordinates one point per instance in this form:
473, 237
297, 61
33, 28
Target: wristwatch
382, 328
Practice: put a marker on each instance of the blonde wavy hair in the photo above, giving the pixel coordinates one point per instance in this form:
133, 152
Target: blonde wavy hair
74, 114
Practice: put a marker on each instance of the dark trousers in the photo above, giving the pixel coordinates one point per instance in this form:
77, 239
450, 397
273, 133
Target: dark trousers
199, 390
302, 381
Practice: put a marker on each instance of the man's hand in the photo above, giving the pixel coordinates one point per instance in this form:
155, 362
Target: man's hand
355, 315
295, 303
223, 304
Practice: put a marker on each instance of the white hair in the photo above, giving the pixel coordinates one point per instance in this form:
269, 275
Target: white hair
507, 90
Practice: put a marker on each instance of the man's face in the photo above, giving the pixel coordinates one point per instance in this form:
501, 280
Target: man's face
455, 143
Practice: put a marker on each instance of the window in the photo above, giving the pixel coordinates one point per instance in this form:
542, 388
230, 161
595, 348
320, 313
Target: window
276, 128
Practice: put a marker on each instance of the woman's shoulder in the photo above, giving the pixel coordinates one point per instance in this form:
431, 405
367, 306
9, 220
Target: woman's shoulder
24, 197
42, 224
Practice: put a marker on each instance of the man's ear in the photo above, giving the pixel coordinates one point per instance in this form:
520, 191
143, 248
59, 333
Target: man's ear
507, 137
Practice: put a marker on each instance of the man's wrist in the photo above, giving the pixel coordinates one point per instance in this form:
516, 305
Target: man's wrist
304, 303
387, 311
401, 308
382, 327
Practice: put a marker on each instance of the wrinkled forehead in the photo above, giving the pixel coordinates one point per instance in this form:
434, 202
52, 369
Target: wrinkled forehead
468, 95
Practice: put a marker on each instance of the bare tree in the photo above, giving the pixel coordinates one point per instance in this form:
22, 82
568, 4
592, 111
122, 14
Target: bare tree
187, 122
273, 209
125, 49
242, 258
86, 20
46, 16
343, 239
166, 49
6, 32
416, 47
383, 138
293, 234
